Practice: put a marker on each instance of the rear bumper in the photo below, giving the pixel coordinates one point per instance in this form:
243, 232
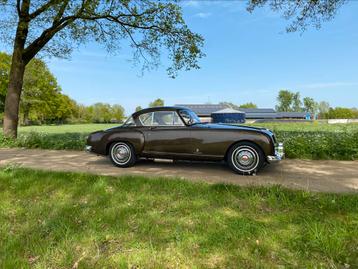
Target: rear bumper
279, 154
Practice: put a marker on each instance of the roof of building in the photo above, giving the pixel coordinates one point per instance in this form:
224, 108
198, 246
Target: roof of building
292, 114
205, 110
228, 111
258, 110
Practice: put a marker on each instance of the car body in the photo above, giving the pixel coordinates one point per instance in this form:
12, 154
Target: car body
177, 133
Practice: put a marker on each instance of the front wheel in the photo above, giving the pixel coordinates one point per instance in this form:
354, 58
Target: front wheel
245, 158
122, 154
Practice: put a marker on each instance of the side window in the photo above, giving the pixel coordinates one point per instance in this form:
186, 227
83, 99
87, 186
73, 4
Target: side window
177, 120
146, 119
162, 118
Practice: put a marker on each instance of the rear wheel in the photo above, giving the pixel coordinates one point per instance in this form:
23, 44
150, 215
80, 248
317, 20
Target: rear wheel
122, 154
245, 158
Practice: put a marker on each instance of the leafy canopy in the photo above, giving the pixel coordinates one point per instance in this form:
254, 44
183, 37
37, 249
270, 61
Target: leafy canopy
56, 27
301, 13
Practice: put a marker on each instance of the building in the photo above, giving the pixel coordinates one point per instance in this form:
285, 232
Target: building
228, 115
205, 111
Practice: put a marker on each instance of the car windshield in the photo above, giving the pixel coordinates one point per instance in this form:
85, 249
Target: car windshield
129, 122
189, 117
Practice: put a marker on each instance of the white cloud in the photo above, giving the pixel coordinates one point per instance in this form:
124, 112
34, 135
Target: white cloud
203, 15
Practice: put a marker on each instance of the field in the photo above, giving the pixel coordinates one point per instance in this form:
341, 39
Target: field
275, 126
67, 220
302, 140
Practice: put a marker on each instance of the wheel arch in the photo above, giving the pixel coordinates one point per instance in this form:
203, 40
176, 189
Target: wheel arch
134, 138
241, 142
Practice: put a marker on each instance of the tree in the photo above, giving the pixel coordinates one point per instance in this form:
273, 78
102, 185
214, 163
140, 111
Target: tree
157, 102
285, 99
117, 113
310, 105
323, 108
296, 102
41, 95
340, 113
138, 108
301, 14
55, 27
248, 105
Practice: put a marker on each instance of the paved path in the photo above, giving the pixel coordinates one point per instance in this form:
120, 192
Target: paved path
324, 176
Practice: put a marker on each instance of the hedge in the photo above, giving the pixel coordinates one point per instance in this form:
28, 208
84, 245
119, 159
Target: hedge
303, 145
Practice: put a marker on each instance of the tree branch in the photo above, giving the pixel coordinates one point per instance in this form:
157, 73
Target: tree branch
42, 9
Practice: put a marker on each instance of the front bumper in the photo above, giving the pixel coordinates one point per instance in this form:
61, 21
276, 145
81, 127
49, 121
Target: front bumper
88, 148
279, 154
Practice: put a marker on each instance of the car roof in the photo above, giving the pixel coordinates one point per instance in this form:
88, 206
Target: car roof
158, 108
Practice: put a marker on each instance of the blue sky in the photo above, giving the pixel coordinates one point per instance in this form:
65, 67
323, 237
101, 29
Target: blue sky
249, 57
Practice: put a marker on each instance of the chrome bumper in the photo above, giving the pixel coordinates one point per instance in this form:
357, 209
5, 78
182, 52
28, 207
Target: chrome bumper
279, 154
88, 148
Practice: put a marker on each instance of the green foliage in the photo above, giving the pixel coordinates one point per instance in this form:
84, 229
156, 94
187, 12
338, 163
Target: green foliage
310, 105
41, 98
301, 14
69, 220
323, 108
341, 113
138, 108
100, 113
157, 102
151, 27
248, 105
74, 141
320, 145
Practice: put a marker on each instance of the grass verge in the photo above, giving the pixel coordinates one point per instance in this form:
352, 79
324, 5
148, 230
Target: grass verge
69, 220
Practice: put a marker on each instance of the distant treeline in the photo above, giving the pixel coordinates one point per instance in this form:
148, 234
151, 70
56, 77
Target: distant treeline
43, 102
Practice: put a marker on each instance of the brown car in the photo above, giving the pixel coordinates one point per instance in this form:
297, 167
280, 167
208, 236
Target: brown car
177, 133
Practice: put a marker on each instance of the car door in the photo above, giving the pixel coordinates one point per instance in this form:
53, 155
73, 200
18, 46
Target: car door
165, 135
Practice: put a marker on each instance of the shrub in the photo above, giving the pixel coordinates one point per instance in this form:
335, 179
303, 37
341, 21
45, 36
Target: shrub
74, 141
320, 145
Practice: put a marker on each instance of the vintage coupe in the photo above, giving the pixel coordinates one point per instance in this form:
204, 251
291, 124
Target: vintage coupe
177, 133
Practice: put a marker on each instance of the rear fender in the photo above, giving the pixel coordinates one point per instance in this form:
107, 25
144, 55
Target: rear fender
134, 137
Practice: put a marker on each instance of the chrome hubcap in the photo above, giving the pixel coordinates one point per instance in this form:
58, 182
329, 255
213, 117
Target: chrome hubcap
245, 159
121, 153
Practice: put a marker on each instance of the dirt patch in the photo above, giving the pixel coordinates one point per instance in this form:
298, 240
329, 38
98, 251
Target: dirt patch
322, 176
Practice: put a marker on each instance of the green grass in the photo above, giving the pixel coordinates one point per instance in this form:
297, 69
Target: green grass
67, 128
55, 220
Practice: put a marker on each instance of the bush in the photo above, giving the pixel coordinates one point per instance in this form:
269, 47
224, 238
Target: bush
319, 145
74, 141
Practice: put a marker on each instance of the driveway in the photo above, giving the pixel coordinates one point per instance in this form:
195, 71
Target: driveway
322, 176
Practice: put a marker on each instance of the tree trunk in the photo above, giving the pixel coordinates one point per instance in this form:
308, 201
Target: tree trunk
17, 70
12, 101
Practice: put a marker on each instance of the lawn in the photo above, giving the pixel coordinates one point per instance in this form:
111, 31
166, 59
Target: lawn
67, 128
67, 220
